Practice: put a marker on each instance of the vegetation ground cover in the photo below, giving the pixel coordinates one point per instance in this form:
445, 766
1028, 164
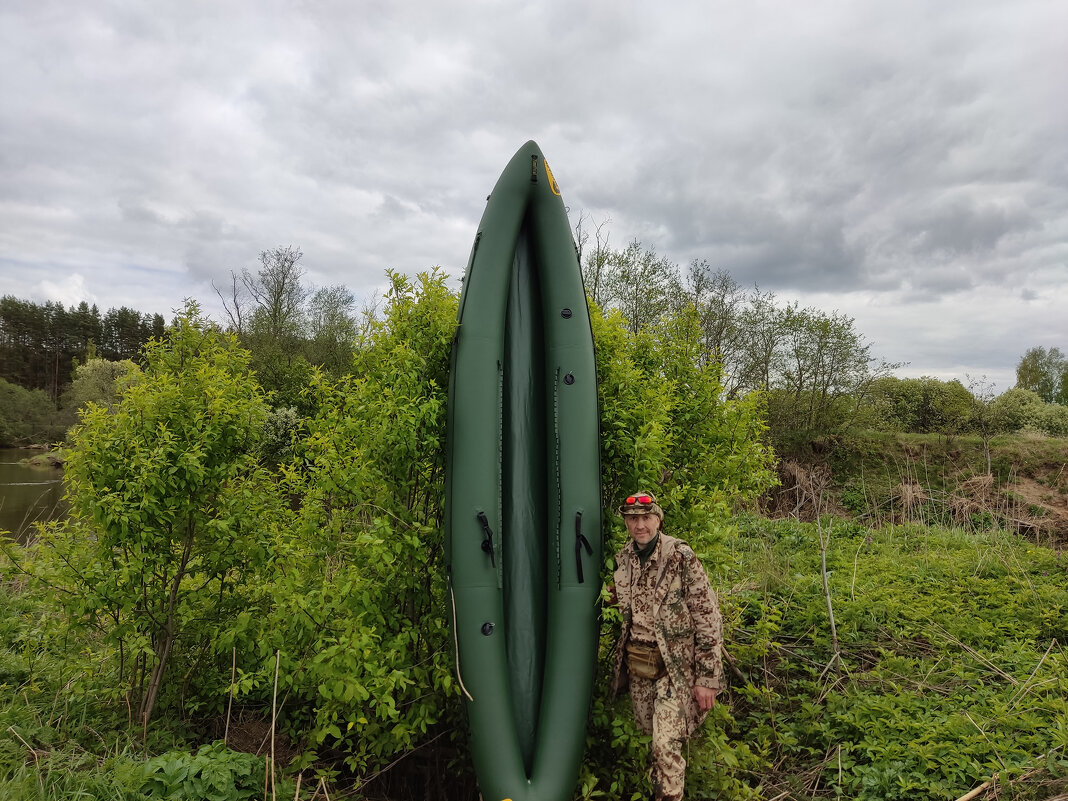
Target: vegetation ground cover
951, 669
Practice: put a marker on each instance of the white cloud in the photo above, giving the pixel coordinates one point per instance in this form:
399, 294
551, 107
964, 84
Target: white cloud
69, 291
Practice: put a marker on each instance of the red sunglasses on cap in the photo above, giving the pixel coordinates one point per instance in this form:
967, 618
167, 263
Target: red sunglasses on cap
643, 499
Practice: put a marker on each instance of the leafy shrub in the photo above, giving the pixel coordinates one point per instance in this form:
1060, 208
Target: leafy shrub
1018, 408
280, 430
99, 381
212, 773
27, 416
919, 405
1054, 420
168, 516
667, 426
854, 498
356, 607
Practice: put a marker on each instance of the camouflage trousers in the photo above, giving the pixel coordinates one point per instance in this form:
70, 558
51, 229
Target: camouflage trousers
658, 712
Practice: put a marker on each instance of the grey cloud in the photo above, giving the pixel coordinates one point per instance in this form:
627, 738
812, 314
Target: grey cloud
905, 152
963, 227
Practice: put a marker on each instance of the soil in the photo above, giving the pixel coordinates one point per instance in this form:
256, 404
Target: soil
250, 732
1044, 506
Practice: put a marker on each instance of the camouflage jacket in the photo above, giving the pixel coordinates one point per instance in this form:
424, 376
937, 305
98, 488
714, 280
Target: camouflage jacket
687, 621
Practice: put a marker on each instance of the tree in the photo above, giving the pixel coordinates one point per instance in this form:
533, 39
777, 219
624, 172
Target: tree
718, 300
332, 329
1044, 372
98, 381
167, 507
985, 417
592, 260
815, 367
761, 333
268, 305
288, 335
638, 282
40, 343
23, 335
1054, 420
125, 331
27, 416
279, 295
86, 327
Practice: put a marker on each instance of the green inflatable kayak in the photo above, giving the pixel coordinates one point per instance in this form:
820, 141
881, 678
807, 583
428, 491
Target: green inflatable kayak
523, 492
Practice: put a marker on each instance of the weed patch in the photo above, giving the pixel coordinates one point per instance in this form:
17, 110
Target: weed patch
952, 662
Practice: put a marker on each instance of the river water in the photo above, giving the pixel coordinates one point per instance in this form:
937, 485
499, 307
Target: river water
27, 494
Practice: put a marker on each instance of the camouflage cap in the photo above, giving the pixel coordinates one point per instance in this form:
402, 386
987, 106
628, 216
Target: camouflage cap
641, 503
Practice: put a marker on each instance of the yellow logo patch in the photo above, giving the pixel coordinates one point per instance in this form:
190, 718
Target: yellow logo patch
552, 185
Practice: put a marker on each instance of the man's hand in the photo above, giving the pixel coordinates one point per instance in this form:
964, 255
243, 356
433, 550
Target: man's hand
706, 698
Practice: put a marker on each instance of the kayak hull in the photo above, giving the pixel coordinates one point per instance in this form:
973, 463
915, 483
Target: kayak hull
523, 492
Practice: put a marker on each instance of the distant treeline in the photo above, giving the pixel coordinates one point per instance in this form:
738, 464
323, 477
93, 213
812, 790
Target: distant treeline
814, 372
40, 343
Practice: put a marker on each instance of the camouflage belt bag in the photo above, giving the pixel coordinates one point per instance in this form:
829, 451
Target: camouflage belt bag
644, 660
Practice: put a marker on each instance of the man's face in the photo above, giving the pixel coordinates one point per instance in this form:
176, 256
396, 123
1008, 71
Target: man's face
642, 528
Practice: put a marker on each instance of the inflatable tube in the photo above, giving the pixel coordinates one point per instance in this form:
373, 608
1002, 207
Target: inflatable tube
523, 492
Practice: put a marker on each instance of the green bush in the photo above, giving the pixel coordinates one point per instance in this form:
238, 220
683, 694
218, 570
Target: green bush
1018, 408
169, 520
919, 405
331, 568
1054, 420
27, 416
354, 604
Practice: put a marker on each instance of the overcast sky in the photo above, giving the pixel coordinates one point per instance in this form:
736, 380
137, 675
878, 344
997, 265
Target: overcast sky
905, 163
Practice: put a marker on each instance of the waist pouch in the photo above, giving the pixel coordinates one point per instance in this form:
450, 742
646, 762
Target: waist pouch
644, 660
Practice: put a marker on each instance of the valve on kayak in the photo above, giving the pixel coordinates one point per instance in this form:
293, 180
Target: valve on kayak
487, 538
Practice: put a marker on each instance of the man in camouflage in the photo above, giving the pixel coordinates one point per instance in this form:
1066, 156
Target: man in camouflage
669, 652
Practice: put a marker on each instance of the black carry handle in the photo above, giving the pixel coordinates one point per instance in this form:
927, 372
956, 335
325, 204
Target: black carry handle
580, 541
487, 537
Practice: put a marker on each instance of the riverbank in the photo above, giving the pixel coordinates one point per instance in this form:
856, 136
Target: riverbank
886, 478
